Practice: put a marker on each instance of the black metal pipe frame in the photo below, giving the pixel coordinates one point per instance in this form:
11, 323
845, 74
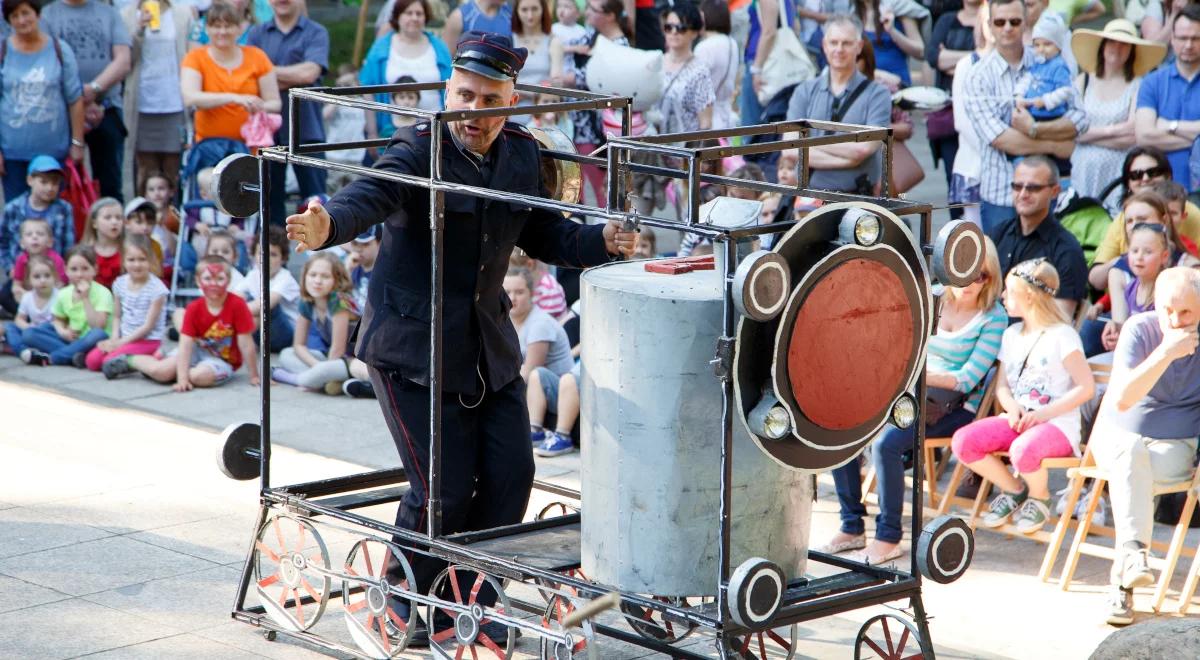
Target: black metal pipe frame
797, 607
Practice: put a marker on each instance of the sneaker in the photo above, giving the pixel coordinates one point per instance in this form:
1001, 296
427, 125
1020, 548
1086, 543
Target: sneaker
35, 357
1135, 569
1002, 508
1120, 607
333, 388
556, 444
537, 437
172, 334
1032, 516
116, 367
79, 360
358, 389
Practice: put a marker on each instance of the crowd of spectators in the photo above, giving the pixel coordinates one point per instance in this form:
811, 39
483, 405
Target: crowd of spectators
1069, 134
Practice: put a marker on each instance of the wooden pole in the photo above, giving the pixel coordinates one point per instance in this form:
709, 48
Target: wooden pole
358, 33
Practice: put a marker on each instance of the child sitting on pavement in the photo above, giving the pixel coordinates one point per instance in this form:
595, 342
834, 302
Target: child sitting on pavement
214, 339
316, 357
104, 231
139, 308
35, 242
81, 314
141, 218
37, 304
285, 291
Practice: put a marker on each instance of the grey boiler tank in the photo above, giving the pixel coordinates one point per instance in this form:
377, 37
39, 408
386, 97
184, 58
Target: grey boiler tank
651, 436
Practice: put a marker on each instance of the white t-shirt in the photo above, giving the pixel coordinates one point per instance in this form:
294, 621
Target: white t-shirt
135, 305
422, 68
347, 125
159, 88
1044, 379
37, 315
282, 283
567, 33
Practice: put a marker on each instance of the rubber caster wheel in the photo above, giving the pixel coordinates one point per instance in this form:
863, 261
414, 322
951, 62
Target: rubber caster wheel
371, 602
889, 637
458, 623
763, 645
270, 635
291, 564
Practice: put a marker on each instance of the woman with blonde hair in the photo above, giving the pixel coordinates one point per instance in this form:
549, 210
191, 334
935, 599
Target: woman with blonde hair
1042, 380
960, 355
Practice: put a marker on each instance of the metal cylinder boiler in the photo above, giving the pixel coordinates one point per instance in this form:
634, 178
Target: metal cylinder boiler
651, 454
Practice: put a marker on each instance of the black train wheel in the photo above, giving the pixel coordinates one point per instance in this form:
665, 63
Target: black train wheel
762, 645
889, 637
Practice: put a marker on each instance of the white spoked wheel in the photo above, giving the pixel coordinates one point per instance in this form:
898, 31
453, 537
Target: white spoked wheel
763, 645
889, 637
376, 613
291, 564
579, 646
461, 629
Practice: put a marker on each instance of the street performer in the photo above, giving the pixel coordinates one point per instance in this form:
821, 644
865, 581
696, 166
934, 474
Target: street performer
487, 470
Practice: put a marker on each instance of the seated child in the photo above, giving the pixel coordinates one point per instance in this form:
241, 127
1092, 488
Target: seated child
139, 309
365, 248
35, 242
285, 291
104, 231
561, 395
220, 244
81, 314
548, 294
315, 360
159, 190
41, 201
214, 339
647, 244
141, 219
37, 304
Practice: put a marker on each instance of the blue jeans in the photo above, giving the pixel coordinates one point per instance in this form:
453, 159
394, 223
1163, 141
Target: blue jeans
282, 330
44, 338
751, 110
1091, 334
992, 216
888, 456
14, 337
15, 174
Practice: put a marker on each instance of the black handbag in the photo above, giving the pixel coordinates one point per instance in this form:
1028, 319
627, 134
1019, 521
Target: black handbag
940, 402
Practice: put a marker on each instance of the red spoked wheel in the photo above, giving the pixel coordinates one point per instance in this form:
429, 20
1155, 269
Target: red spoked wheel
889, 637
556, 509
376, 613
291, 572
463, 626
560, 605
763, 645
654, 624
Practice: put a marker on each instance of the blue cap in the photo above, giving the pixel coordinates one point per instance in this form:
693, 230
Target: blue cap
489, 55
373, 234
44, 163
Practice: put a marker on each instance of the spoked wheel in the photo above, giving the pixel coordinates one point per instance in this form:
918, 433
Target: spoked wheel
556, 509
559, 607
291, 575
889, 637
466, 628
764, 645
370, 601
653, 624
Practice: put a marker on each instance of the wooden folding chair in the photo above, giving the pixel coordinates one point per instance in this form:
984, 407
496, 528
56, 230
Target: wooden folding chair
1089, 470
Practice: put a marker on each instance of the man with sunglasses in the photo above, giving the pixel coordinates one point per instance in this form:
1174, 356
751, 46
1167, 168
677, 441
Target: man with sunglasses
1146, 432
1035, 231
1004, 130
1168, 102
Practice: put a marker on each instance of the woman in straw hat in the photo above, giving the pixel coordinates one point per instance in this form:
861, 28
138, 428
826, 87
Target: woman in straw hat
1112, 62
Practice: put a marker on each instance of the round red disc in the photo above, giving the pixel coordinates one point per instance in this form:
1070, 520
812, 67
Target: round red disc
851, 344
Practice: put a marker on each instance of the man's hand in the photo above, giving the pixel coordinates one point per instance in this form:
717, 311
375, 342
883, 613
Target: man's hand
616, 240
1022, 121
311, 228
1179, 343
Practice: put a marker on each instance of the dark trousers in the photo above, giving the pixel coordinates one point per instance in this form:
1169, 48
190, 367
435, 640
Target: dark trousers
311, 180
888, 456
16, 175
487, 462
106, 149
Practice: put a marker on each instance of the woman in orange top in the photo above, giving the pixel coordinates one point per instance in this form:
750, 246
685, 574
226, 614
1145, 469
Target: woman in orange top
225, 82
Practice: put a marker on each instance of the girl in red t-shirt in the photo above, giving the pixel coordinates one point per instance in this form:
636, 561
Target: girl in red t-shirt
104, 231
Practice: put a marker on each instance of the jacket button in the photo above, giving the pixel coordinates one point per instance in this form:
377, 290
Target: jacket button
485, 238
477, 297
481, 267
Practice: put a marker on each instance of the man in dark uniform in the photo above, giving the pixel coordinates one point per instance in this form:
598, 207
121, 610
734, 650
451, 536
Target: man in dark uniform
487, 469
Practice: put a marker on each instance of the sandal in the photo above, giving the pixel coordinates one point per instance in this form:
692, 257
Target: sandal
836, 548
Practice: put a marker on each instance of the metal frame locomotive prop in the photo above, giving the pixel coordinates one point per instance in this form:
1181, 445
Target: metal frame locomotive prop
799, 370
